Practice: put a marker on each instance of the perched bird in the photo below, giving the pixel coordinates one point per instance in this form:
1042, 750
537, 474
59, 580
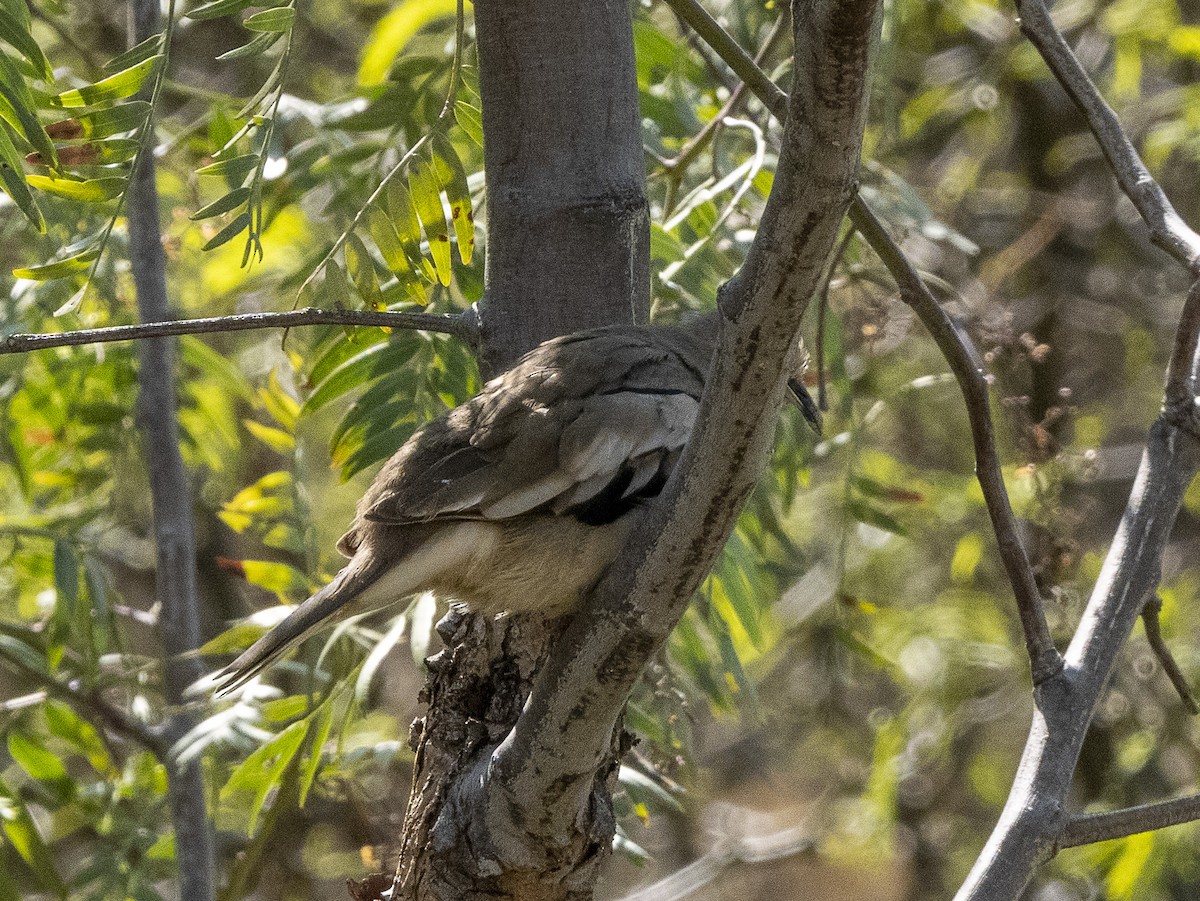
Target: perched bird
520, 498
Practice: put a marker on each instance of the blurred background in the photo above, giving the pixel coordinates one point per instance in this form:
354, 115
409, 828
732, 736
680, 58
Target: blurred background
848, 692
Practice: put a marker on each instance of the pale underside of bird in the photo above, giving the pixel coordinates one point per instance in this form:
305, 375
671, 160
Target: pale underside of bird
520, 498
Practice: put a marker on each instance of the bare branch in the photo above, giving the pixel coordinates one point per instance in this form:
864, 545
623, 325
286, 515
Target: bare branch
1165, 658
737, 842
964, 362
743, 65
1181, 391
459, 326
1089, 828
1167, 228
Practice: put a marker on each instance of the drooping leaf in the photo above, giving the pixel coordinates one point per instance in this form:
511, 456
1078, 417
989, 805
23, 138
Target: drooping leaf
141, 52
261, 43
123, 84
422, 184
452, 178
17, 33
278, 19
261, 771
12, 176
470, 120
71, 265
392, 33
229, 232
225, 204
234, 168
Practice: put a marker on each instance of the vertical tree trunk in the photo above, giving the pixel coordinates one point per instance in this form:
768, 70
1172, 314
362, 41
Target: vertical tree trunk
175, 543
567, 248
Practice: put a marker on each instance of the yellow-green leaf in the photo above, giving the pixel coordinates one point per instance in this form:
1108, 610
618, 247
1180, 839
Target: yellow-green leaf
229, 202
123, 84
393, 32
427, 199
452, 177
229, 232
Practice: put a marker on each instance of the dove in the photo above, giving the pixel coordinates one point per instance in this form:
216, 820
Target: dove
519, 499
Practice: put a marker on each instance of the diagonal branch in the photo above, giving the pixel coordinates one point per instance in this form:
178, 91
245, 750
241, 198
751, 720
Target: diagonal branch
964, 362
460, 326
546, 767
1167, 228
1089, 828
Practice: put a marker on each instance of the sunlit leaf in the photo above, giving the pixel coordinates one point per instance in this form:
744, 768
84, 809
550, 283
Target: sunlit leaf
392, 33
229, 232
115, 87
260, 773
453, 180
428, 201
225, 204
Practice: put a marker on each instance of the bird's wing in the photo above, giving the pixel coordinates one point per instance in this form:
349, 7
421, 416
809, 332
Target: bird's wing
582, 427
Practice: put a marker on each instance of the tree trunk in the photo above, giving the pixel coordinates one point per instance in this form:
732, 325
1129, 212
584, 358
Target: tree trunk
567, 249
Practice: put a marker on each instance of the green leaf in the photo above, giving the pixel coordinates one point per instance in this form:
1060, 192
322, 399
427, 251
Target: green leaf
230, 201
382, 359
392, 33
256, 47
60, 268
12, 175
452, 177
470, 120
123, 84
868, 513
17, 34
279, 578
362, 272
278, 440
427, 199
340, 350
322, 721
279, 19
36, 760
66, 724
17, 108
229, 232
19, 828
262, 770
103, 123
234, 168
66, 581
139, 53
218, 8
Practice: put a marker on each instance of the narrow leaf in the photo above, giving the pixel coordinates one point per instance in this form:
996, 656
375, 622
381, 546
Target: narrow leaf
362, 272
470, 120
234, 168
12, 176
123, 84
426, 198
136, 54
17, 34
452, 178
259, 45
279, 19
229, 232
230, 201
59, 268
218, 8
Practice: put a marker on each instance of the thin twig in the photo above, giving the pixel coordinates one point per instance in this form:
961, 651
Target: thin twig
955, 347
688, 152
1167, 228
742, 64
1165, 657
1181, 371
459, 326
822, 310
1088, 828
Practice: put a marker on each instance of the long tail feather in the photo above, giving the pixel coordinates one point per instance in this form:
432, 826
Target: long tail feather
327, 606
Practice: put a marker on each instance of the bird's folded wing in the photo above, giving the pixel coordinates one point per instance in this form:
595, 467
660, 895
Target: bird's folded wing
561, 458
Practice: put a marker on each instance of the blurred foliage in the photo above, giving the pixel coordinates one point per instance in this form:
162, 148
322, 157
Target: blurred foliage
853, 659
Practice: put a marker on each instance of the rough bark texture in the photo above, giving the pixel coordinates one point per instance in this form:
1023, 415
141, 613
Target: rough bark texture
568, 248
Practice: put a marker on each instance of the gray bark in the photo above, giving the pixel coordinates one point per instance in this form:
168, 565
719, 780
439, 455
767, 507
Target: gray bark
179, 624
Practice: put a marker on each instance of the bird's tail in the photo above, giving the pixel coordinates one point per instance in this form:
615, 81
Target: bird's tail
327, 606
